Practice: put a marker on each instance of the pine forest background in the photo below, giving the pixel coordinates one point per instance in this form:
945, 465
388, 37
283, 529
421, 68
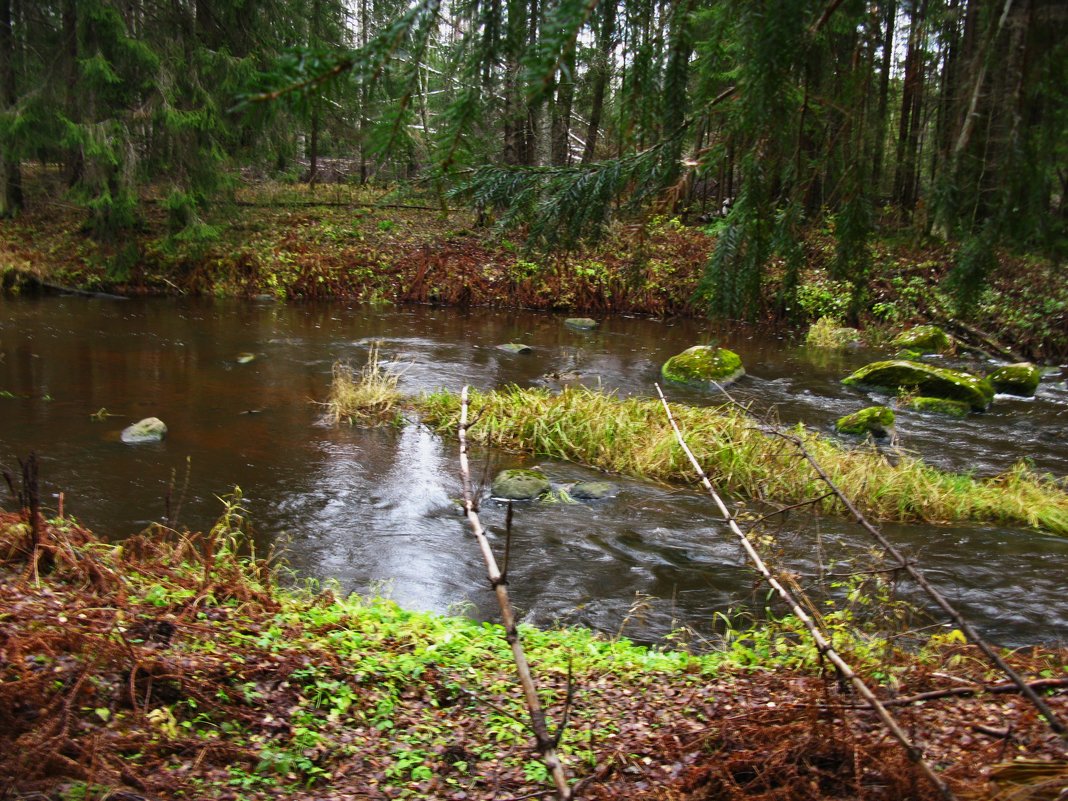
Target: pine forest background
558, 117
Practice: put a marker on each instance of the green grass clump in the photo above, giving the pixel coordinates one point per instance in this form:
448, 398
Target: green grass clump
367, 397
828, 334
632, 436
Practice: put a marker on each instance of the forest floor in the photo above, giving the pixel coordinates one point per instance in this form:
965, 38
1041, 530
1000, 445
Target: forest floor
171, 667
293, 242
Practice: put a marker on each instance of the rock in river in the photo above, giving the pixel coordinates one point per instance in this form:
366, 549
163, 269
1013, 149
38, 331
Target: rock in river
923, 338
875, 420
1016, 379
151, 429
704, 364
581, 323
935, 382
944, 406
519, 485
594, 490
515, 347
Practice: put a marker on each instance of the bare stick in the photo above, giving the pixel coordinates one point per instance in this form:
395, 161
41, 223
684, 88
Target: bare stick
822, 643
545, 744
943, 603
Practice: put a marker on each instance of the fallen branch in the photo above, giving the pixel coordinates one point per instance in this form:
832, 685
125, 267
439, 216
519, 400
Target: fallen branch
943, 603
949, 692
546, 744
824, 646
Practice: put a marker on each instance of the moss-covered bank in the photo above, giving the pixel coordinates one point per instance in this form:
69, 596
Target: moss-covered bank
633, 437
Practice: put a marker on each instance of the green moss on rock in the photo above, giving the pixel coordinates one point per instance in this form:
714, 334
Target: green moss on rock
1016, 379
874, 420
923, 338
952, 408
515, 347
926, 379
704, 364
519, 485
827, 334
151, 429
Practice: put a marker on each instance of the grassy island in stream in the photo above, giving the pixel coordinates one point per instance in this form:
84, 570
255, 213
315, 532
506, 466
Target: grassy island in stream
632, 436
170, 667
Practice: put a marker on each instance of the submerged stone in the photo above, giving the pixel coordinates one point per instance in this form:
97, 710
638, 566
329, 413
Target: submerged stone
874, 420
151, 429
515, 347
519, 485
581, 323
704, 364
923, 338
928, 380
944, 406
1016, 379
245, 358
594, 490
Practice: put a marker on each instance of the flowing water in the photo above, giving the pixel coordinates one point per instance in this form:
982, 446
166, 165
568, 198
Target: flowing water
376, 509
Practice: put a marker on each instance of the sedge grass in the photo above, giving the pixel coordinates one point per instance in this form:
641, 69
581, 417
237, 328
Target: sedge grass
632, 436
365, 397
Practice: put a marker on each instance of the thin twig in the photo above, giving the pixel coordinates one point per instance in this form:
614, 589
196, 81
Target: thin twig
917, 575
791, 507
544, 742
822, 643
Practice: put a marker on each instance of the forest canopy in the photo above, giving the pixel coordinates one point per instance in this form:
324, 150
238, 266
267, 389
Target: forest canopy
945, 116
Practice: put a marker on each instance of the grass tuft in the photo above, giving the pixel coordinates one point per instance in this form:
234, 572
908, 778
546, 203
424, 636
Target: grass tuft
632, 436
368, 397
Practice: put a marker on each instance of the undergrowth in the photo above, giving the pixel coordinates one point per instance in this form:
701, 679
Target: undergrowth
176, 666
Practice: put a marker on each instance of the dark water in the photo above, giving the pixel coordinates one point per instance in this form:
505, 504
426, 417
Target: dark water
376, 510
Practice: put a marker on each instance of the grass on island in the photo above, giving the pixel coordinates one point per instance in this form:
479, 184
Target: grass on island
367, 397
633, 437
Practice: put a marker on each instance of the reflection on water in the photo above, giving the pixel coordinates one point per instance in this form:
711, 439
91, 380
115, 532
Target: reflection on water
377, 508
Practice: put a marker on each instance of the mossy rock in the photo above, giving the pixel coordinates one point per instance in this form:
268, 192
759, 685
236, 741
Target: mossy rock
928, 380
519, 485
923, 338
909, 355
515, 347
151, 429
874, 420
594, 490
951, 408
826, 334
1016, 379
581, 323
704, 364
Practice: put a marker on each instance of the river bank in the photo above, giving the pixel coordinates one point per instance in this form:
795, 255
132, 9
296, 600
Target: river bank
174, 667
296, 242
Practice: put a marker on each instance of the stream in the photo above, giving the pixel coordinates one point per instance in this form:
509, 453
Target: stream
376, 510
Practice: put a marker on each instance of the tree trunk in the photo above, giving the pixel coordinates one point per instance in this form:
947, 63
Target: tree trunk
10, 164
911, 106
884, 93
606, 44
561, 118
